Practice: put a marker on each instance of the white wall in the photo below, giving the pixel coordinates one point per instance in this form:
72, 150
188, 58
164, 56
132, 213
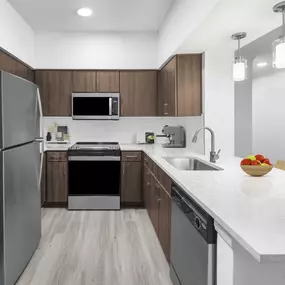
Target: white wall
96, 50
243, 115
16, 36
214, 37
219, 98
183, 18
124, 130
268, 101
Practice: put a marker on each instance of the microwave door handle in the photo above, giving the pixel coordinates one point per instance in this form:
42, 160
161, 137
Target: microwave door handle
110, 106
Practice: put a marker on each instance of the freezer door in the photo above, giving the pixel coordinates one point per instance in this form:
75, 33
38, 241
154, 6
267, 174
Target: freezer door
21, 208
18, 111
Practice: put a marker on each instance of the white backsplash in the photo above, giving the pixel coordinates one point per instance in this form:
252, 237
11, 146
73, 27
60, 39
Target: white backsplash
125, 129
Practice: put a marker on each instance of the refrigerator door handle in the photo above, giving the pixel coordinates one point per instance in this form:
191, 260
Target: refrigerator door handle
40, 139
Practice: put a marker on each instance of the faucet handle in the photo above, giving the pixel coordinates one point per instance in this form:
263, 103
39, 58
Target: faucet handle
217, 155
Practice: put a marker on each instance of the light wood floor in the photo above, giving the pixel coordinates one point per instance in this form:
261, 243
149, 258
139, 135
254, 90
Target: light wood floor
97, 248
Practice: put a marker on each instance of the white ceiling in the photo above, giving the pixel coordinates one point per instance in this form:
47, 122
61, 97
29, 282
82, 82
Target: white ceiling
108, 15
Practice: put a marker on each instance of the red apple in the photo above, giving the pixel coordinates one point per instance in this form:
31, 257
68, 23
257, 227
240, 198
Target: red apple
245, 161
255, 162
267, 161
259, 157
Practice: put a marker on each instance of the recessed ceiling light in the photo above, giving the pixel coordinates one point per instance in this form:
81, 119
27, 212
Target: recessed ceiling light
85, 12
262, 64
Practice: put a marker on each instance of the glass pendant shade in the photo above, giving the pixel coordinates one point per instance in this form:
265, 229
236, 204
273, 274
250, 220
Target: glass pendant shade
240, 69
279, 53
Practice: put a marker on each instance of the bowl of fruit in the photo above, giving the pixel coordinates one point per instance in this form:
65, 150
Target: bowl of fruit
256, 165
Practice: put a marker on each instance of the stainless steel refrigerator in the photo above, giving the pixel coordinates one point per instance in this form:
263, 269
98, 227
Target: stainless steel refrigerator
21, 159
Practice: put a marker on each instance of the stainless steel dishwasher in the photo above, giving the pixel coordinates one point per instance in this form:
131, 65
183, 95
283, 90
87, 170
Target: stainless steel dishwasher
193, 242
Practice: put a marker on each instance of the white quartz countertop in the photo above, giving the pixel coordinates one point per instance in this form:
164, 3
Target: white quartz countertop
250, 209
57, 147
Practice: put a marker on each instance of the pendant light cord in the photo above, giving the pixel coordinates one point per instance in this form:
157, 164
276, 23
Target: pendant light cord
239, 49
283, 22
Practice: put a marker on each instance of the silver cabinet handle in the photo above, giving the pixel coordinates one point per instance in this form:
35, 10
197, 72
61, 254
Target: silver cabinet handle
165, 109
131, 156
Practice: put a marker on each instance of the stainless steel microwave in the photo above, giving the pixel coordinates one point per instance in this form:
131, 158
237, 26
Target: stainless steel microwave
95, 106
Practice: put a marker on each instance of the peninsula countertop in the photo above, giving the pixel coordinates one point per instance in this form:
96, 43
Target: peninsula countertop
250, 209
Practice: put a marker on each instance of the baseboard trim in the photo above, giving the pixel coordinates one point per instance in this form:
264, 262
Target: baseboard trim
55, 205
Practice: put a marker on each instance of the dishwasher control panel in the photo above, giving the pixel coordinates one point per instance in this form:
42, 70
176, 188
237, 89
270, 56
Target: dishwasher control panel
198, 217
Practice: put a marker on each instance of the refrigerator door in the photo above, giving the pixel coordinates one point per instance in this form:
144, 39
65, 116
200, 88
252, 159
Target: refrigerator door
18, 111
21, 210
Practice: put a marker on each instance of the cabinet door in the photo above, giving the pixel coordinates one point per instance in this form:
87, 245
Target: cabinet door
55, 89
189, 82
147, 188
84, 81
138, 91
165, 222
131, 186
161, 93
170, 104
155, 196
56, 182
108, 81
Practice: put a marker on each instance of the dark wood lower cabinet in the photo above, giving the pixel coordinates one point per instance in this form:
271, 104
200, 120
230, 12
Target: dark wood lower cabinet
131, 179
157, 199
164, 222
154, 204
56, 182
56, 179
131, 186
146, 188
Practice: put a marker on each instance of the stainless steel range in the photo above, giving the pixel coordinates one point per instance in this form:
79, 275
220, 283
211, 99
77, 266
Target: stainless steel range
94, 176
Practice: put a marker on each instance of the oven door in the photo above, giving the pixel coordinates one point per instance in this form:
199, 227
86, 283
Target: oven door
95, 106
94, 182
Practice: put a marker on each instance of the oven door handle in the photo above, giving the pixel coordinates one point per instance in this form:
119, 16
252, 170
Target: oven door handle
94, 158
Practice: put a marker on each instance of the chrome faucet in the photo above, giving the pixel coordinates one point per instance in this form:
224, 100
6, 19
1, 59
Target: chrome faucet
214, 156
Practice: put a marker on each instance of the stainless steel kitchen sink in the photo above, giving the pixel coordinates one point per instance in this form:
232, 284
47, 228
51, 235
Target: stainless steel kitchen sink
191, 164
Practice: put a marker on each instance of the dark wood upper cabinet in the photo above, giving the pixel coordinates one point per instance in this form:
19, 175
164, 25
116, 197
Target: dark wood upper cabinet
84, 81
108, 81
138, 91
55, 89
95, 81
189, 85
180, 86
13, 66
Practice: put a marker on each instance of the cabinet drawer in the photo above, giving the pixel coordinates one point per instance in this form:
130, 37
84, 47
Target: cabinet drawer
57, 156
131, 156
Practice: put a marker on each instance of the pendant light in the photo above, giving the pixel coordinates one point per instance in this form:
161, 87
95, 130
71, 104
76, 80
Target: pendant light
279, 44
240, 64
